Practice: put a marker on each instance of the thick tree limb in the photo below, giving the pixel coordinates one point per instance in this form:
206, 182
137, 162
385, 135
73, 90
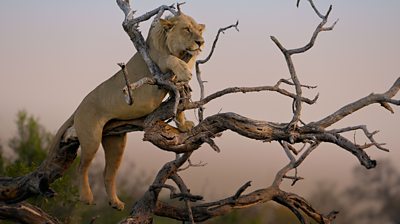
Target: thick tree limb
25, 213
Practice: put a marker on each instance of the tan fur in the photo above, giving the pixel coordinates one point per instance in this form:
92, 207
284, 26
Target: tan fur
168, 41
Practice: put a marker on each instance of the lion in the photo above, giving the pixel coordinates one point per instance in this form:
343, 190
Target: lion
169, 41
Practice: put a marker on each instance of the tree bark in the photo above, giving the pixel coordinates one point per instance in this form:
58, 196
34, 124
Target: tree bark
25, 213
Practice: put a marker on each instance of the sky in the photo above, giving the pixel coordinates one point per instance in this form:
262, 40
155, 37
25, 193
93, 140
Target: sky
52, 53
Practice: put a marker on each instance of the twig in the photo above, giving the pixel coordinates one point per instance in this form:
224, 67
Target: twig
293, 163
178, 5
294, 178
241, 190
288, 82
190, 164
128, 90
368, 134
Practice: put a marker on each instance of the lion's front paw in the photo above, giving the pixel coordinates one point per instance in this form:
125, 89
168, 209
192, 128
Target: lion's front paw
182, 73
185, 127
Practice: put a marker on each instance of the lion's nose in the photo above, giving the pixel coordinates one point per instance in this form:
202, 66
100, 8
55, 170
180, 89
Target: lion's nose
199, 42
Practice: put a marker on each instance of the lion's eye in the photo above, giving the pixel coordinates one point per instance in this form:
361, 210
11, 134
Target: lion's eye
188, 30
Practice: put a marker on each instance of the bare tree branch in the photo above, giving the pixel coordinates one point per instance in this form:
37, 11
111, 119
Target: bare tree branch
183, 188
143, 209
198, 62
288, 57
293, 162
369, 135
190, 164
25, 213
231, 90
361, 103
206, 211
128, 91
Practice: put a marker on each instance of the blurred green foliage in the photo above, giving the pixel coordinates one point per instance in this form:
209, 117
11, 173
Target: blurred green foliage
29, 145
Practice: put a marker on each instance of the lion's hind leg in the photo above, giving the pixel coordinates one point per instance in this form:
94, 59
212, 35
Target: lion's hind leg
113, 148
89, 131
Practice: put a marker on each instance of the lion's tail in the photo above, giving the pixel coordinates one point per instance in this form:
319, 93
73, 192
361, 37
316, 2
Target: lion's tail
55, 143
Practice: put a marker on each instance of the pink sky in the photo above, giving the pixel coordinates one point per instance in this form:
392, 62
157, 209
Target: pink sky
53, 53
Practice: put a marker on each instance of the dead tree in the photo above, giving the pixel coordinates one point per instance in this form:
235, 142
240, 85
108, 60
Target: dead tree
166, 137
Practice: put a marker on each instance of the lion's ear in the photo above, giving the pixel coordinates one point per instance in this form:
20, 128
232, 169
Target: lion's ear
202, 27
166, 24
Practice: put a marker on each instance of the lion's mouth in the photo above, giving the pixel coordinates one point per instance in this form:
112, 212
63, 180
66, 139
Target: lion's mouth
193, 51
189, 53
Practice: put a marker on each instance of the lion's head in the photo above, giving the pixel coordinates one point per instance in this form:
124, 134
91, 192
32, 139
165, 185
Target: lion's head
180, 35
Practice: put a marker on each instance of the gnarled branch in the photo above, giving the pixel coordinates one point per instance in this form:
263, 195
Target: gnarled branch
25, 213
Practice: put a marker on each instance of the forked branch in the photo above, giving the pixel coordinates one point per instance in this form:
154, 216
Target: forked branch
297, 103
